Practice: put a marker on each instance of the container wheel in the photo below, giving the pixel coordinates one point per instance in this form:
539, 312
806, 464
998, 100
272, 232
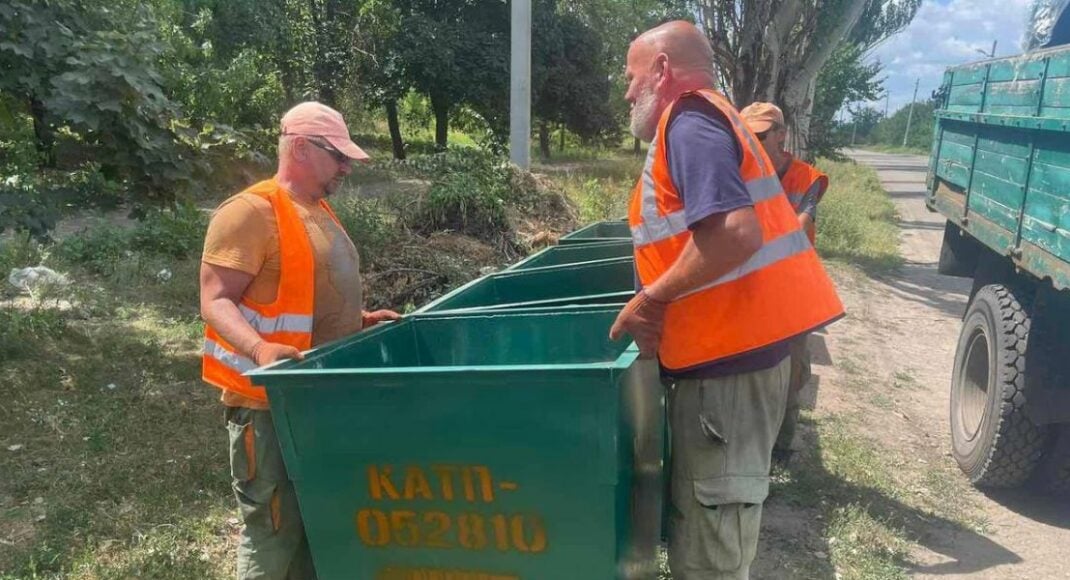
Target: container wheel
992, 439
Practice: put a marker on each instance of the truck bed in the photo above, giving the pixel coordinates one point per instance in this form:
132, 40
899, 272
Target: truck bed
1000, 162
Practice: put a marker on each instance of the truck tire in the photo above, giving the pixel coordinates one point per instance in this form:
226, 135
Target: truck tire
992, 439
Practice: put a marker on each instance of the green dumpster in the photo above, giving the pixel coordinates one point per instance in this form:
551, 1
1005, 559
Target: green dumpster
575, 253
615, 230
506, 446
609, 281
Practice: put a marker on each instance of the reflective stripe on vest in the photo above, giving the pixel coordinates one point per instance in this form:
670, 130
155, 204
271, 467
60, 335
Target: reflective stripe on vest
770, 253
272, 324
239, 363
657, 227
779, 292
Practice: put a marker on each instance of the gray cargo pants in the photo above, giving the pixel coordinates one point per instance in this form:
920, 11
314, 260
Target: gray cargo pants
273, 544
723, 431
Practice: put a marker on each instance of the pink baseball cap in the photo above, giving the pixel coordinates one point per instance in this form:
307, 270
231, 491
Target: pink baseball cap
312, 119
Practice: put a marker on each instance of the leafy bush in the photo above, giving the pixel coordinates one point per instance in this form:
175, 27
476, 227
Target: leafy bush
33, 202
99, 250
598, 202
464, 202
173, 233
176, 232
21, 330
469, 192
366, 223
26, 206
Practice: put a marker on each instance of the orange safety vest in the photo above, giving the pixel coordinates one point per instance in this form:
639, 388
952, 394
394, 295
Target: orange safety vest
780, 292
287, 320
798, 179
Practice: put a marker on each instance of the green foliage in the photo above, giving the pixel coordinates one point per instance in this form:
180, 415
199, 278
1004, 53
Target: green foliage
27, 207
93, 72
845, 78
468, 193
368, 224
598, 202
570, 76
890, 131
98, 250
32, 202
856, 221
22, 329
176, 232
462, 202
19, 251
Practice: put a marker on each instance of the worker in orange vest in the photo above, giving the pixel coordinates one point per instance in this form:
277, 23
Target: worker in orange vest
728, 279
804, 185
278, 276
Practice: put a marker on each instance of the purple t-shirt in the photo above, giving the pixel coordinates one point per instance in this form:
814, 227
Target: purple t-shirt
704, 159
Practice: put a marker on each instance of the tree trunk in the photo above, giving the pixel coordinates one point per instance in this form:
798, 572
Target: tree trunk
395, 129
562, 138
324, 67
441, 108
798, 104
544, 140
45, 141
637, 148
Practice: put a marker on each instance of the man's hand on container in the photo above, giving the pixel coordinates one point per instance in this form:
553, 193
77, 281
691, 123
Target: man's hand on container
373, 318
265, 353
643, 318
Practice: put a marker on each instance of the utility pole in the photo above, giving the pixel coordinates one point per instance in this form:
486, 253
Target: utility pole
910, 114
991, 54
520, 85
887, 98
854, 127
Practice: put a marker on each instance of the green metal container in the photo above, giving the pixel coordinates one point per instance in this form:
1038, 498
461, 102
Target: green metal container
609, 281
615, 230
575, 254
508, 446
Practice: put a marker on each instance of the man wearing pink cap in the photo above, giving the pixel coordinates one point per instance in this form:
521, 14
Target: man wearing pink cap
278, 276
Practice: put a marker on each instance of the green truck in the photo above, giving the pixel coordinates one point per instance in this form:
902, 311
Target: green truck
1000, 173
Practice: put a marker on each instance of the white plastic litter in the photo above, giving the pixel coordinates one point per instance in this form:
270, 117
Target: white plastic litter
36, 277
164, 275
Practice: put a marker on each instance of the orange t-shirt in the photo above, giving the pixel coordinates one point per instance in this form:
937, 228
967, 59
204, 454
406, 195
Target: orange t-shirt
244, 235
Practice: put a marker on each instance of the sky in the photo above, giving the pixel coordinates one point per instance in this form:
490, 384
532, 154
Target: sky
945, 33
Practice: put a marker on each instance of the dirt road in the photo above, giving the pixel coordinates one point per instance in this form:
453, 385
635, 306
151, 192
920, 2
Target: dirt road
887, 368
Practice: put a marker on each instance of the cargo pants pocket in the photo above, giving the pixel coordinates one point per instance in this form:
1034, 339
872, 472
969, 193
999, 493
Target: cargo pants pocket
258, 497
724, 429
241, 433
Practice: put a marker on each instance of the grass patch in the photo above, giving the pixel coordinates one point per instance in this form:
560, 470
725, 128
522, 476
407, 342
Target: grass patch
600, 187
904, 379
856, 221
870, 506
865, 547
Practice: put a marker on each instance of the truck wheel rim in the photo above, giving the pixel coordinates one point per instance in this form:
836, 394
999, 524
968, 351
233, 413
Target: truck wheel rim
974, 384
